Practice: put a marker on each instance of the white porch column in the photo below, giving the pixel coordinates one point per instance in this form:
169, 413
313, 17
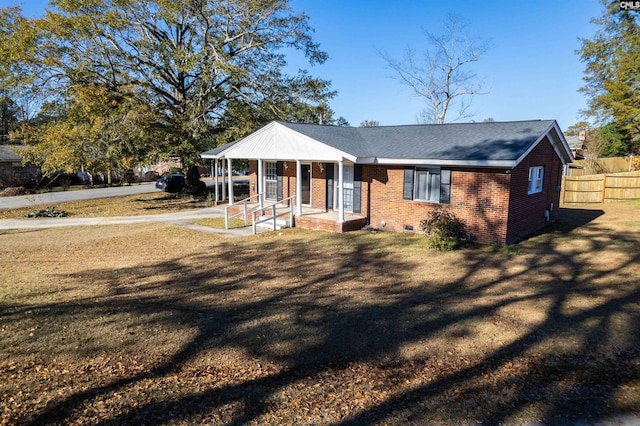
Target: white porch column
224, 182
298, 188
341, 191
229, 172
215, 179
260, 184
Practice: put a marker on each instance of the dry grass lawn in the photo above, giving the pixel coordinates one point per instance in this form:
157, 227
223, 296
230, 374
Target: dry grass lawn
158, 324
133, 205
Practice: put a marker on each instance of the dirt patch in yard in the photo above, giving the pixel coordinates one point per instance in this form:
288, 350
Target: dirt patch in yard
160, 324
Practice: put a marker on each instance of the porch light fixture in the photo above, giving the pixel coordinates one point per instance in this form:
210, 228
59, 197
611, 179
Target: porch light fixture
321, 167
286, 167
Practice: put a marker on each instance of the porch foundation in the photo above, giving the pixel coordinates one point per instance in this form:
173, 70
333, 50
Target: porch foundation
316, 220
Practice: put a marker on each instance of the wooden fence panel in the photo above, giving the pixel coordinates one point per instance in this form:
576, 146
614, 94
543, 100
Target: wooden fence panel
622, 187
600, 188
609, 165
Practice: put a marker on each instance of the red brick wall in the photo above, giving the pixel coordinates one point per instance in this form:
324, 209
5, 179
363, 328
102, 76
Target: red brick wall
318, 186
318, 182
526, 212
478, 197
493, 204
253, 178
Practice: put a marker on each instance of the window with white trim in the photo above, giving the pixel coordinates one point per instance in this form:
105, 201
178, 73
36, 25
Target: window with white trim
536, 179
430, 184
270, 180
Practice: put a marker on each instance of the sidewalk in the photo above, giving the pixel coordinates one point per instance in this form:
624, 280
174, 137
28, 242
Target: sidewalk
179, 218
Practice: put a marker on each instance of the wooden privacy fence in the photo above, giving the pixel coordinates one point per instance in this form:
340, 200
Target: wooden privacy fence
600, 188
604, 165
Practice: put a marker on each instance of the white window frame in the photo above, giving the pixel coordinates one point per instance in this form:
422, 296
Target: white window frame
536, 179
431, 174
271, 180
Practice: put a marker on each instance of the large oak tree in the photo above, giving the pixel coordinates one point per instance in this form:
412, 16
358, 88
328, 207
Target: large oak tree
185, 61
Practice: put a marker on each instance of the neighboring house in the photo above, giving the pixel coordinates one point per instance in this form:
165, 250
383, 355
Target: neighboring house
576, 145
12, 172
501, 178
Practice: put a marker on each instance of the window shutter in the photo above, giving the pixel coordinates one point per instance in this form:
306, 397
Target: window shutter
357, 188
329, 167
279, 180
445, 186
407, 189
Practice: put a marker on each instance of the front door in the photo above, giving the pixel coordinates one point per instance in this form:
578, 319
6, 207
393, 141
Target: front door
306, 183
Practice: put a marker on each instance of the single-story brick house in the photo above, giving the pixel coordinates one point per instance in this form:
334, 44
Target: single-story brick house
501, 178
12, 171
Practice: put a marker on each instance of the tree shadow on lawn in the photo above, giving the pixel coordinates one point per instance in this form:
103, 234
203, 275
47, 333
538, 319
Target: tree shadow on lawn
287, 304
570, 218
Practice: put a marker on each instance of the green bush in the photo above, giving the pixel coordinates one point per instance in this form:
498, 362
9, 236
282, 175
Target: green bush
47, 212
443, 230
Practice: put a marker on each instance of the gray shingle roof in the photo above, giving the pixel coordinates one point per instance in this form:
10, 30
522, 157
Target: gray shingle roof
7, 155
574, 142
456, 141
218, 149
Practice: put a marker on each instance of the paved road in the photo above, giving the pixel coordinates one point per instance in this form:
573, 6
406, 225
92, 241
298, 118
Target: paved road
81, 194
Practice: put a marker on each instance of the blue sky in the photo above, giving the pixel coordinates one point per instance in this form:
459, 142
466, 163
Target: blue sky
531, 71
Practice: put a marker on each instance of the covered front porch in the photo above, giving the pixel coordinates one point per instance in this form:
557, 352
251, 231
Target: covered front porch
319, 184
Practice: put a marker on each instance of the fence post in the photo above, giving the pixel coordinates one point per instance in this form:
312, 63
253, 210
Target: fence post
273, 212
291, 216
253, 227
245, 213
604, 187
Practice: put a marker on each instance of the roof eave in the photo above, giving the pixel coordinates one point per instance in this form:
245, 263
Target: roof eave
502, 164
560, 145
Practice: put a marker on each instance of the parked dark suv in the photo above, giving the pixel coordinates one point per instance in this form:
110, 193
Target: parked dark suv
171, 183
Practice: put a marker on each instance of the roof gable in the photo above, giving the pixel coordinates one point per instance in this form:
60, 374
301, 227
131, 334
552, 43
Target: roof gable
7, 155
276, 141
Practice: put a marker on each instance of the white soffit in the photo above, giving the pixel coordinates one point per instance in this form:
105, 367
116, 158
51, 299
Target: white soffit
278, 142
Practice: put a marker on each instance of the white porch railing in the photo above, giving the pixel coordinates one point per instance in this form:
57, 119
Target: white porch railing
245, 210
274, 214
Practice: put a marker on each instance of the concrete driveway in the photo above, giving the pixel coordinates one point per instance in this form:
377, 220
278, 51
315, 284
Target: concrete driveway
81, 194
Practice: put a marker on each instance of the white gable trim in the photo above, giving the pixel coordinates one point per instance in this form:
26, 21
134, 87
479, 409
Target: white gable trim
278, 142
555, 144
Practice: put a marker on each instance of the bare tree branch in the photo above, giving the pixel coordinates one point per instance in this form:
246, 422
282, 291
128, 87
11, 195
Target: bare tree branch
441, 75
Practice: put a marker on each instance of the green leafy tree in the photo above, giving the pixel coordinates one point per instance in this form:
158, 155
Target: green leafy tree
190, 60
98, 129
612, 67
574, 129
8, 118
611, 141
